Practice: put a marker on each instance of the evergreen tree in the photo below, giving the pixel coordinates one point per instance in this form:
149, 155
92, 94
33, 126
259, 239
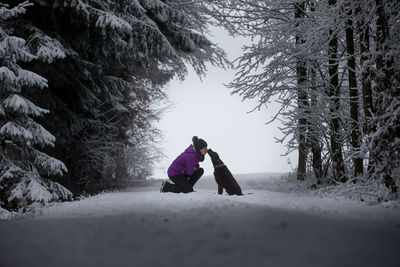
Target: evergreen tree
24, 168
105, 92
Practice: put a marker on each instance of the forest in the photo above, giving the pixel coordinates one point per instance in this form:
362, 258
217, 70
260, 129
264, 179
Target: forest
82, 82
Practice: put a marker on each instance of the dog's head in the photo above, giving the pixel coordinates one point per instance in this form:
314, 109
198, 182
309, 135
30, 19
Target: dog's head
214, 157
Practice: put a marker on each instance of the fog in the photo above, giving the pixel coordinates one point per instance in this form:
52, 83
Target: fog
208, 110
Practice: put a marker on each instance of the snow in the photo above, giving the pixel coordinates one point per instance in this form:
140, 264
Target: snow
109, 20
41, 136
48, 49
120, 108
17, 103
37, 189
8, 77
5, 214
276, 223
9, 172
78, 4
49, 54
15, 130
6, 13
15, 46
50, 165
29, 78
28, 188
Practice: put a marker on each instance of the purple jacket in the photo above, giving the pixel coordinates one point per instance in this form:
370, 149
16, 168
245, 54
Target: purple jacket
185, 163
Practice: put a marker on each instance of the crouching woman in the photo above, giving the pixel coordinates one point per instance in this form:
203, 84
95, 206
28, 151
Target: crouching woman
185, 170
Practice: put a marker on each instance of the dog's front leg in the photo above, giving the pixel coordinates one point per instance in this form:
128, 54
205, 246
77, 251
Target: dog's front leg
219, 182
220, 189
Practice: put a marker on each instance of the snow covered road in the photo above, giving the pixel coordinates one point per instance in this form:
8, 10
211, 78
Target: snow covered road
275, 225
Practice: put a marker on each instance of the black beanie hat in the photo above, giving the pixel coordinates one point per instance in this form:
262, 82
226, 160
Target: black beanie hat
198, 144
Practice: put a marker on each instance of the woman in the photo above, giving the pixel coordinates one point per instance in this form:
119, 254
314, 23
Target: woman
185, 170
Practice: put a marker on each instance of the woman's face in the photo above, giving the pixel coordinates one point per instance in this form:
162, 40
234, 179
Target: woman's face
203, 151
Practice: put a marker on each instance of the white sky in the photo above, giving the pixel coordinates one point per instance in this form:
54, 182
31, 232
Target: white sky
207, 109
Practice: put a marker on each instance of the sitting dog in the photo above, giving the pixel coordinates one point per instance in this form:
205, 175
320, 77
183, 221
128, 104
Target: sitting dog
223, 176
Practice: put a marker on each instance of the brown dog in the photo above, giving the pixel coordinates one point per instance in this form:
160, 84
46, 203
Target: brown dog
223, 176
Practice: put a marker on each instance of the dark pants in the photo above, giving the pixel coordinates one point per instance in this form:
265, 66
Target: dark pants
184, 183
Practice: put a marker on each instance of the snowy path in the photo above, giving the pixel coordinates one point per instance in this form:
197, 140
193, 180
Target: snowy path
273, 226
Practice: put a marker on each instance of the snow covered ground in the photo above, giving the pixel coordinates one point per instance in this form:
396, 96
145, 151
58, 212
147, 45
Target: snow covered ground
277, 223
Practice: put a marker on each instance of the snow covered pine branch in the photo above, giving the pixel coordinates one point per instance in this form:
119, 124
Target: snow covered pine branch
24, 169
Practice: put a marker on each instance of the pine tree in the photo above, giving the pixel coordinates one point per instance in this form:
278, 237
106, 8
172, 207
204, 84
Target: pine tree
105, 91
24, 168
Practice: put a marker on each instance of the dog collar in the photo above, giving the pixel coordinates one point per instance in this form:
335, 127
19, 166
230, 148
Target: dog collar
220, 165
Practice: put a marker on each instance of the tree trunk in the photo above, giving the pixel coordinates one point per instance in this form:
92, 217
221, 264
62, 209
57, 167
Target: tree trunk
366, 70
384, 72
382, 77
313, 129
301, 73
351, 66
334, 95
363, 31
314, 133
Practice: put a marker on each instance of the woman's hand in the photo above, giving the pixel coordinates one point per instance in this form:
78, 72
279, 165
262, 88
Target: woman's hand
196, 168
